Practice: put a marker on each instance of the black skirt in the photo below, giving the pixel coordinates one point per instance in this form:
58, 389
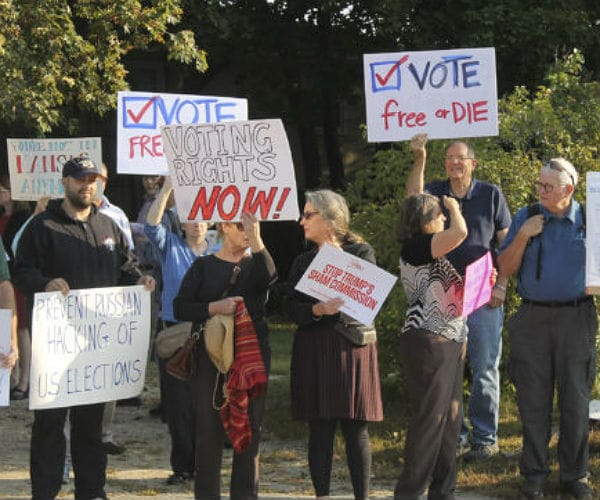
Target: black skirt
333, 378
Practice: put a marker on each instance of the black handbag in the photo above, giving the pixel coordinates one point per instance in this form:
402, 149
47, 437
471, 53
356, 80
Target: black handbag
355, 331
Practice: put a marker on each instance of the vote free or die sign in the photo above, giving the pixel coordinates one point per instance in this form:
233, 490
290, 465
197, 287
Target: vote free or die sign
220, 171
444, 93
141, 114
362, 285
89, 346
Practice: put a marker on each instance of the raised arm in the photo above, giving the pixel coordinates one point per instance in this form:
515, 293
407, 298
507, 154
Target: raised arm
450, 238
157, 209
415, 182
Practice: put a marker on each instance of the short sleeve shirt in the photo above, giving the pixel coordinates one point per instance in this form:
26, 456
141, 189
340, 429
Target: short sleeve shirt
485, 211
434, 291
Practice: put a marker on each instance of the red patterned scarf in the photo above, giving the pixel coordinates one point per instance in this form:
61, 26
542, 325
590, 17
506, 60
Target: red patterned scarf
246, 380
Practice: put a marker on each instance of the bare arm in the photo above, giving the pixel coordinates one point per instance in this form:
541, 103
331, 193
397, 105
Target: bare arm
7, 301
450, 238
157, 209
415, 182
510, 259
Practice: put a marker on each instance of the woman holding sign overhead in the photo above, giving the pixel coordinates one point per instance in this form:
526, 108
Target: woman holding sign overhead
332, 379
433, 343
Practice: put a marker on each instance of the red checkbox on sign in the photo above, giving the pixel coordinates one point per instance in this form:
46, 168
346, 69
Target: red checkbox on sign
385, 75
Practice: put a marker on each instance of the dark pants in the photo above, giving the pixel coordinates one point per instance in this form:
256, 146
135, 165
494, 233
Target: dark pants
553, 347
433, 366
178, 408
210, 438
358, 454
48, 448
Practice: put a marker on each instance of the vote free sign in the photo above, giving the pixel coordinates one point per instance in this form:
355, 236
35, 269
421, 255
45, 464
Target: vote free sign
444, 93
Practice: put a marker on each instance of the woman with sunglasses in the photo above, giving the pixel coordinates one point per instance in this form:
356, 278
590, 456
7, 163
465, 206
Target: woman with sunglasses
332, 379
201, 296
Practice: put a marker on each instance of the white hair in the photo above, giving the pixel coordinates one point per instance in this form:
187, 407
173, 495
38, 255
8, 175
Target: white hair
565, 169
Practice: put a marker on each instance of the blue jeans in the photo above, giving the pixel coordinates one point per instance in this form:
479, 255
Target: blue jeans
484, 348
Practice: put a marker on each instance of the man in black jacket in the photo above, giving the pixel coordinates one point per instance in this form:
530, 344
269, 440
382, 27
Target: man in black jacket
72, 246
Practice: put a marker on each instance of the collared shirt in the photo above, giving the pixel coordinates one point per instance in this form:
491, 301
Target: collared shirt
485, 211
562, 276
116, 214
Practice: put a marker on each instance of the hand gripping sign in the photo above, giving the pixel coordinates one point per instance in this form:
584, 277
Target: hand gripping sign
362, 285
222, 170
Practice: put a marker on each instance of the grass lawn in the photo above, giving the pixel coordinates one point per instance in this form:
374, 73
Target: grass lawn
497, 477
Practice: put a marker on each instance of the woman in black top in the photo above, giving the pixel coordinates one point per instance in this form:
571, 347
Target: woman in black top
200, 297
331, 379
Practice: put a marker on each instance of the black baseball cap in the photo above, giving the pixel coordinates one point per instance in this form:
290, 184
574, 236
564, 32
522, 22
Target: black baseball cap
79, 167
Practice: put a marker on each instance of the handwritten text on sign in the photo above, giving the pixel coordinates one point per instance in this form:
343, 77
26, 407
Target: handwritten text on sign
445, 93
141, 114
35, 165
89, 346
363, 286
221, 170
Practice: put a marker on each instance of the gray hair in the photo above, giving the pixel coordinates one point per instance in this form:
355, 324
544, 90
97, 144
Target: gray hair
332, 207
565, 169
416, 212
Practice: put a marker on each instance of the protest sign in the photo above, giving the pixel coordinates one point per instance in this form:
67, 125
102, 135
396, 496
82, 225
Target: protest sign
5, 334
221, 170
592, 234
141, 114
35, 165
444, 93
334, 273
89, 346
478, 286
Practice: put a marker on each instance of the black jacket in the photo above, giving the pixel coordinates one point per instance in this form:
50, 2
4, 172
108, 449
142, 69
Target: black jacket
86, 254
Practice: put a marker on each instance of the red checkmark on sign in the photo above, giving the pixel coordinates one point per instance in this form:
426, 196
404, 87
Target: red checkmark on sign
382, 80
135, 118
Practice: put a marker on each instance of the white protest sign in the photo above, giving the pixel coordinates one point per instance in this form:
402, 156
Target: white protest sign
141, 114
592, 223
334, 273
89, 346
221, 170
444, 93
35, 165
5, 334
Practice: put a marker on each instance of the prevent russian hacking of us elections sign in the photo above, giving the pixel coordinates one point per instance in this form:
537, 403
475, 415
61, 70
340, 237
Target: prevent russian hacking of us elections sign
141, 114
444, 93
360, 284
89, 346
221, 170
35, 165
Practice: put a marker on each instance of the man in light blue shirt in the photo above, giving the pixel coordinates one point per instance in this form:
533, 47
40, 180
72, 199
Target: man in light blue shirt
553, 333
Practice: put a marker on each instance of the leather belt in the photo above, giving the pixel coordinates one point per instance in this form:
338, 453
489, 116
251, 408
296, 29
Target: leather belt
555, 303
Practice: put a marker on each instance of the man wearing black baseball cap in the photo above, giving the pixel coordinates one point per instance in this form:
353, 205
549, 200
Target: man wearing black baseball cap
72, 245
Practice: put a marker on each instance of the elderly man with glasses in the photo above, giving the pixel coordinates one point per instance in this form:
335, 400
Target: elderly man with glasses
553, 333
488, 218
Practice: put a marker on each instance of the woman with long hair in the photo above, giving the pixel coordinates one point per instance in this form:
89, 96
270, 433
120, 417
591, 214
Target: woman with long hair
332, 380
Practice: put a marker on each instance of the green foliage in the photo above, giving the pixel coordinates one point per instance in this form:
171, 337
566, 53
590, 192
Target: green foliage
561, 118
59, 59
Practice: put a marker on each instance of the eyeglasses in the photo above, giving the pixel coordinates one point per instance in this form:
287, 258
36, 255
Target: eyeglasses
459, 158
309, 215
545, 187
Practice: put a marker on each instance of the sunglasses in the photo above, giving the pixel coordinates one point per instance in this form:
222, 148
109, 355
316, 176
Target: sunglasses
309, 215
240, 226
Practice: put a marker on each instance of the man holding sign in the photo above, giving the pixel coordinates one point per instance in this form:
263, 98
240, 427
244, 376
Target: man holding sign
72, 246
484, 208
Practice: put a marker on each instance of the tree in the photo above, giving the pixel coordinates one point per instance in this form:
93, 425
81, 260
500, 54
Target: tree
59, 59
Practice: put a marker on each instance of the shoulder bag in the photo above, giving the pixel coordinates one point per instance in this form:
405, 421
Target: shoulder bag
356, 332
